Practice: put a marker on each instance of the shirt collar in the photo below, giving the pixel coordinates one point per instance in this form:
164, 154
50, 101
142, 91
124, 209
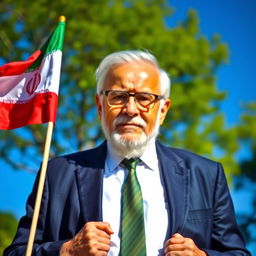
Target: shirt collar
149, 158
112, 160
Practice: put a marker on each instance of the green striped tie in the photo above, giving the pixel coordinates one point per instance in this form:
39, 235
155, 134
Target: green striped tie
132, 227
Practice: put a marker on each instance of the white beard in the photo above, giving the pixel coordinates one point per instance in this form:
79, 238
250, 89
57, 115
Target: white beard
130, 148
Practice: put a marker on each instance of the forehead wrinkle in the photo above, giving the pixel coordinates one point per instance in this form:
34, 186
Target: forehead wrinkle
133, 79
128, 77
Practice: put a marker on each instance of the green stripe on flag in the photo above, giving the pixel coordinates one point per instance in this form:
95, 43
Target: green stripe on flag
54, 43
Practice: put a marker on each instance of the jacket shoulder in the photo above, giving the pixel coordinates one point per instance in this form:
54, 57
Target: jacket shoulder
186, 157
91, 158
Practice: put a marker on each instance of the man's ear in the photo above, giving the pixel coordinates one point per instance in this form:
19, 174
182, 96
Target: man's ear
98, 105
164, 110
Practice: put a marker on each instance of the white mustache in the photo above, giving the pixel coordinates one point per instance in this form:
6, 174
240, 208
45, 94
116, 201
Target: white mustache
127, 120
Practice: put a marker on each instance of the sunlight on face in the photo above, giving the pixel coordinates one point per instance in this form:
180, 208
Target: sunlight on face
128, 146
128, 128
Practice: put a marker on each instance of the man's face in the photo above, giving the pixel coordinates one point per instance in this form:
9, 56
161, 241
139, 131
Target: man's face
129, 121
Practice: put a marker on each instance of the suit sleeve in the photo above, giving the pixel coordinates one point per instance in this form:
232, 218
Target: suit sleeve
226, 237
41, 246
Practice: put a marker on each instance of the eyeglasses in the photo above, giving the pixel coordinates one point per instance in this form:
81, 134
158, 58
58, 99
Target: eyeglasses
144, 100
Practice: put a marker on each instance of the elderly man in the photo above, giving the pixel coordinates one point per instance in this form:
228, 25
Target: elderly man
132, 195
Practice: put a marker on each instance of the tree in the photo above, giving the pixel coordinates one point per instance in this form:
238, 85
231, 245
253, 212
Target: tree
8, 225
247, 180
96, 28
187, 55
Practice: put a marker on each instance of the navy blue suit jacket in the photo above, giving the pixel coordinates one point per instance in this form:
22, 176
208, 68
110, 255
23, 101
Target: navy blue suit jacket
200, 206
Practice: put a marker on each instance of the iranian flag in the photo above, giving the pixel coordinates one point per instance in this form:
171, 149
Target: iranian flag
29, 89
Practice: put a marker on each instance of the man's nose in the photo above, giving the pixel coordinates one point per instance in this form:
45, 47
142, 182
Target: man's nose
131, 107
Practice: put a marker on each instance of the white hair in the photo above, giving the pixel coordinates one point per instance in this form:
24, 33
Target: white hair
118, 58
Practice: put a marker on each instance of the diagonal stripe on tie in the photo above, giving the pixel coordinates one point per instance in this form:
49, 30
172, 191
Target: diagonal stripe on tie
132, 224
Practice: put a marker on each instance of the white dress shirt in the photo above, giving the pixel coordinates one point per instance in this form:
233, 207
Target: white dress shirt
155, 211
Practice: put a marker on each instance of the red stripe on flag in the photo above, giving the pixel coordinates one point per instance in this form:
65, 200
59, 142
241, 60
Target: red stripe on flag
19, 67
41, 109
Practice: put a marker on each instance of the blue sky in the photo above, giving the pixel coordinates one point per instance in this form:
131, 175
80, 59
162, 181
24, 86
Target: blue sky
235, 21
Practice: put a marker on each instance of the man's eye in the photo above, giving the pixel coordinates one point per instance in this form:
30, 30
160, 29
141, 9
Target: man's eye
143, 98
121, 97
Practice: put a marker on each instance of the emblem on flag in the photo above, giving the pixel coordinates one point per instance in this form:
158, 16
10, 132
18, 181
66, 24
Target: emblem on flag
33, 83
29, 89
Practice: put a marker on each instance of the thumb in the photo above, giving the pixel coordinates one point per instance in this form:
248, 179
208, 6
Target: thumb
108, 229
177, 235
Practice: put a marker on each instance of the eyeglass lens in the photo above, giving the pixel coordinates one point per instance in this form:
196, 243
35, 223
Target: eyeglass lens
121, 98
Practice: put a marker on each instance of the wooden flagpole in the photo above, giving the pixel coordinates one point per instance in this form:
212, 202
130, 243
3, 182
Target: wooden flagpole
40, 189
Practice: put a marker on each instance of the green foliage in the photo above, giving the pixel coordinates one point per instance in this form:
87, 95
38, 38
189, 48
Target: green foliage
247, 128
93, 30
246, 181
97, 28
8, 226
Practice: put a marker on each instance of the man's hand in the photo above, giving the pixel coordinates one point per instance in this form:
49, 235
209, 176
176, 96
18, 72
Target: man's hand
92, 239
178, 245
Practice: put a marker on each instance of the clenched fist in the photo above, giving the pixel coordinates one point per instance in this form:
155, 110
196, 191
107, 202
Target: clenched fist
178, 245
92, 239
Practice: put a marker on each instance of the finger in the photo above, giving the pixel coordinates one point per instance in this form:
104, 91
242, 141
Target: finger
175, 240
95, 227
101, 253
98, 245
103, 240
167, 243
178, 235
105, 226
97, 236
102, 233
175, 248
102, 246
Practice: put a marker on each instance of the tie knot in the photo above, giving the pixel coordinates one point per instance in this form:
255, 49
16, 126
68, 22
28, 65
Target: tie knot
131, 163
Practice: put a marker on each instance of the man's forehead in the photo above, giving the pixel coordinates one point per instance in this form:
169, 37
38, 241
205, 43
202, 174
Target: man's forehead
130, 70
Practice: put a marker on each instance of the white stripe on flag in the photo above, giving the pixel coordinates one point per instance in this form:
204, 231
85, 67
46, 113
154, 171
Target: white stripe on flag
22, 88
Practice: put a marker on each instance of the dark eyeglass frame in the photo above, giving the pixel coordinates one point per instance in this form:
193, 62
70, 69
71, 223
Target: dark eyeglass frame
133, 94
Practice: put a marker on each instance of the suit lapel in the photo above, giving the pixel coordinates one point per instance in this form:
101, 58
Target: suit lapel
174, 175
89, 174
89, 181
175, 178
